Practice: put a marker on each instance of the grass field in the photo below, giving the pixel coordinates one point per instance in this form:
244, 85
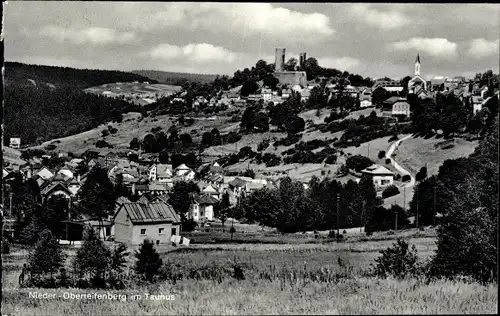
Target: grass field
416, 152
280, 279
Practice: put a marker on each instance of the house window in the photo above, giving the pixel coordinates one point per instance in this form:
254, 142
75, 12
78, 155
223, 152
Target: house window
174, 231
384, 182
161, 231
143, 231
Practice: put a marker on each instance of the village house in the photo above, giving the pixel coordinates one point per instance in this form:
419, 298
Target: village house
387, 104
160, 172
68, 172
365, 94
202, 207
211, 190
135, 222
266, 94
381, 176
401, 107
44, 173
305, 94
152, 188
53, 188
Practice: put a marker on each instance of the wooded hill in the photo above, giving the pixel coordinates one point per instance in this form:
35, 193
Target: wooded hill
46, 102
175, 78
36, 75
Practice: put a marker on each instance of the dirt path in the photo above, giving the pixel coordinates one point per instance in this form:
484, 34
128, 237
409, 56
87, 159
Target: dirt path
403, 171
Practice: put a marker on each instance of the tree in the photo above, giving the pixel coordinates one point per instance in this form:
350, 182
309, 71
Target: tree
468, 235
92, 260
270, 81
248, 118
47, 257
186, 139
317, 98
399, 261
149, 143
221, 210
358, 162
295, 125
180, 199
96, 196
163, 157
248, 88
382, 219
422, 174
261, 122
291, 64
148, 261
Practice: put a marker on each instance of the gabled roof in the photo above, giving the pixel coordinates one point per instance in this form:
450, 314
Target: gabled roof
392, 100
143, 199
163, 170
377, 170
54, 185
401, 103
239, 183
205, 199
210, 189
150, 212
162, 198
182, 167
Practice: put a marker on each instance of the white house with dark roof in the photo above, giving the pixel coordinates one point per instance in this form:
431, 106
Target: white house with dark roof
401, 107
202, 207
160, 172
44, 173
156, 221
381, 176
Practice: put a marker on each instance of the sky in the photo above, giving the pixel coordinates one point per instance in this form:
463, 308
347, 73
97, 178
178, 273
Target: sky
374, 40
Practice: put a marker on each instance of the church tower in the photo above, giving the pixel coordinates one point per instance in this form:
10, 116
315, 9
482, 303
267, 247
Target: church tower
417, 65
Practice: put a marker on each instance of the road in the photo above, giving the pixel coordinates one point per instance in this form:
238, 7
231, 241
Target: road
403, 171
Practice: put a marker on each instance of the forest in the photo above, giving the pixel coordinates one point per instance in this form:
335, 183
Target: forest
18, 73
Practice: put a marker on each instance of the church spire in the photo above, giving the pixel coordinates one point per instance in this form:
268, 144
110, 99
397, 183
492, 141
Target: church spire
417, 65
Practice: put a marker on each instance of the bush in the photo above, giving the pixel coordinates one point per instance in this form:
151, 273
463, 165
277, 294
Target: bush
422, 174
393, 138
92, 259
369, 233
148, 261
46, 258
406, 178
105, 133
388, 161
397, 176
331, 234
50, 147
5, 246
358, 162
390, 191
381, 154
398, 261
103, 144
263, 145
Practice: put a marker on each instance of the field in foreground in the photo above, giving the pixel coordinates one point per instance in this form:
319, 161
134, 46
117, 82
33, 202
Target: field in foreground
324, 278
348, 296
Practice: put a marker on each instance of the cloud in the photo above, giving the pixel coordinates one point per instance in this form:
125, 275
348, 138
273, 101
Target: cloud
341, 63
91, 35
385, 20
479, 48
252, 19
437, 47
194, 53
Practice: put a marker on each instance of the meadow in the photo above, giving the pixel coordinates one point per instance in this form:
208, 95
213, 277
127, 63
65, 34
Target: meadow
294, 278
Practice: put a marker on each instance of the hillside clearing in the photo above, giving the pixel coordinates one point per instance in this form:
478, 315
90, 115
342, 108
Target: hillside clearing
417, 152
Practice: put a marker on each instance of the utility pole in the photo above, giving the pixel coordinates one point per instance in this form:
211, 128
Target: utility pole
404, 197
368, 150
416, 218
363, 217
338, 214
434, 204
396, 221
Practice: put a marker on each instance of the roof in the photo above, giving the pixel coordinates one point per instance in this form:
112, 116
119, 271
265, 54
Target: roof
400, 103
156, 211
182, 167
210, 189
238, 183
205, 199
143, 199
392, 100
162, 198
122, 200
53, 186
163, 170
393, 89
377, 170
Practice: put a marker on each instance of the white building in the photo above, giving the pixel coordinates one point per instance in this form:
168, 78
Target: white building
202, 208
381, 176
